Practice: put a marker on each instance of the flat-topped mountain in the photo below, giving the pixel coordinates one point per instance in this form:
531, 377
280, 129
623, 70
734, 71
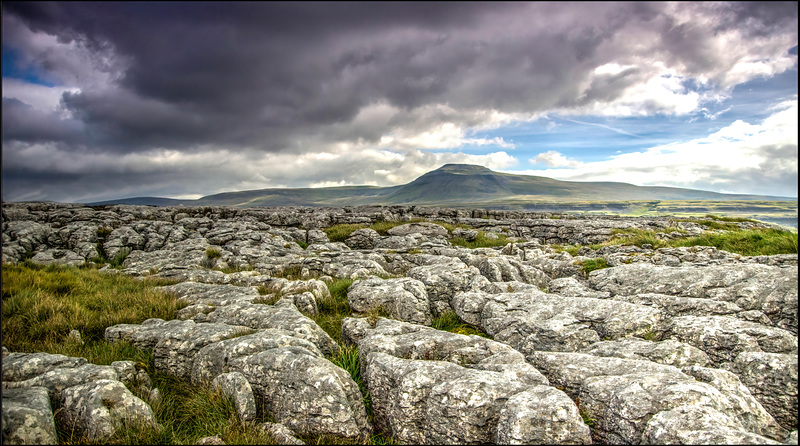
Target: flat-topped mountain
452, 185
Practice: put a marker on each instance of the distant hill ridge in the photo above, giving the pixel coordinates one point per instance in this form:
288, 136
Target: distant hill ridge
450, 185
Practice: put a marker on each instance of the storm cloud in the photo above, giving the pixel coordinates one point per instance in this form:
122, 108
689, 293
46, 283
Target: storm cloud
186, 99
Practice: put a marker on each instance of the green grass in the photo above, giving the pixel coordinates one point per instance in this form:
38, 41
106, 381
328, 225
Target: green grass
449, 321
590, 265
755, 242
333, 311
340, 233
746, 242
731, 219
481, 241
213, 253
42, 304
187, 413
291, 272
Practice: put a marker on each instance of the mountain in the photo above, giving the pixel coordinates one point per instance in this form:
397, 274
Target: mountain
453, 185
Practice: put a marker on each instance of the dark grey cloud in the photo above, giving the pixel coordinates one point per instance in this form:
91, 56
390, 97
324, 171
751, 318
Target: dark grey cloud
294, 77
22, 122
259, 73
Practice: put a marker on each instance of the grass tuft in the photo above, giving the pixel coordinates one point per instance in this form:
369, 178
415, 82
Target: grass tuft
449, 321
590, 265
333, 311
481, 241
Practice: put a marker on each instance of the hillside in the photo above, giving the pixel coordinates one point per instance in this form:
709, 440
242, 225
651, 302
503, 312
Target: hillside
452, 185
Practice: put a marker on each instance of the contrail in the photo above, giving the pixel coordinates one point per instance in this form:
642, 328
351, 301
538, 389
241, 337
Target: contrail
613, 129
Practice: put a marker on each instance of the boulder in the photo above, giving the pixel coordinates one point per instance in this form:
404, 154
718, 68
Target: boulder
433, 387
22, 366
443, 280
669, 352
772, 379
404, 299
28, 417
770, 289
723, 338
533, 321
95, 410
364, 238
424, 228
235, 387
621, 397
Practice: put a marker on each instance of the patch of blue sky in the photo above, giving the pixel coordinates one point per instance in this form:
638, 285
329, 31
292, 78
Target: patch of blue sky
593, 138
13, 67
752, 101
588, 138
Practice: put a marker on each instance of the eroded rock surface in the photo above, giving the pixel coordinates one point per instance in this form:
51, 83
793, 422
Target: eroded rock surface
690, 345
434, 387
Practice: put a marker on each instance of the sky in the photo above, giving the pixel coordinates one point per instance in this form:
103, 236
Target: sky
181, 100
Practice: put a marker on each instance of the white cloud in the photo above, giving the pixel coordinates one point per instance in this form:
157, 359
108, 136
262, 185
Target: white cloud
555, 159
756, 158
40, 97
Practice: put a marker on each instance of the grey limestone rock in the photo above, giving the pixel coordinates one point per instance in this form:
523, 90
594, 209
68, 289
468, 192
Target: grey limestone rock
234, 386
283, 315
541, 415
58, 257
570, 286
676, 306
96, 409
467, 234
770, 289
315, 236
412, 341
309, 394
299, 387
505, 269
669, 352
364, 238
436, 402
174, 343
21, 366
281, 433
409, 242
723, 338
187, 254
215, 440
533, 321
216, 294
443, 280
27, 417
434, 387
622, 395
740, 403
354, 268
691, 424
60, 378
404, 299
772, 379
424, 228
214, 359
304, 302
